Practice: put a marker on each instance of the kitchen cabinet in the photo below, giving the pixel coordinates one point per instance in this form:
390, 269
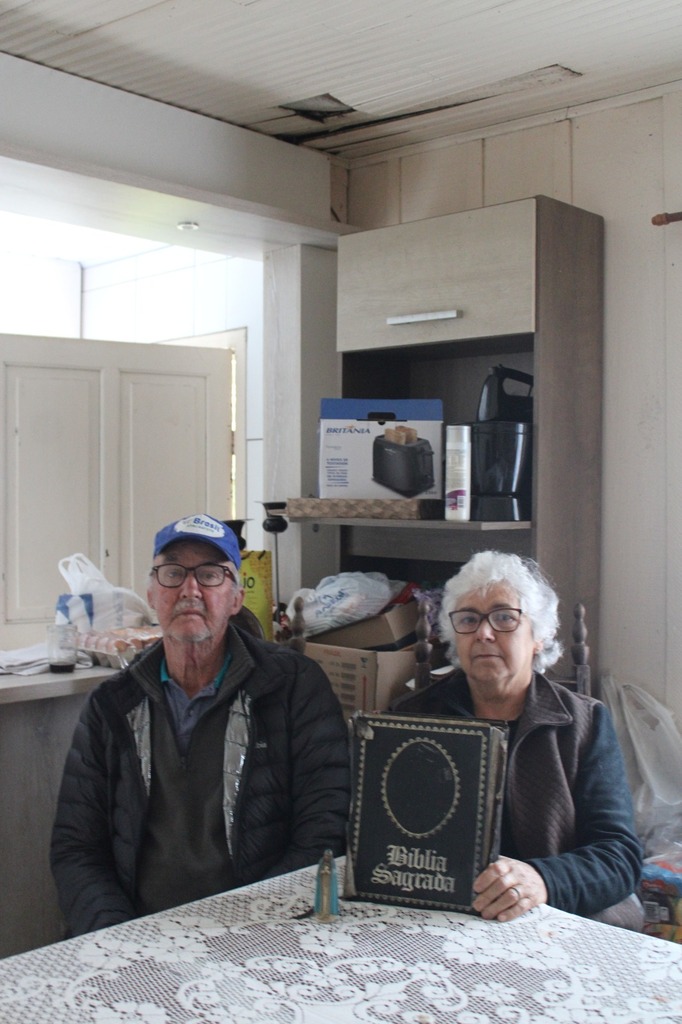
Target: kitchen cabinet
478, 265
527, 281
100, 443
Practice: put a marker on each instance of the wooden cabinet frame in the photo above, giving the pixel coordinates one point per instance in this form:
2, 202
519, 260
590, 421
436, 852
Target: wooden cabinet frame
563, 350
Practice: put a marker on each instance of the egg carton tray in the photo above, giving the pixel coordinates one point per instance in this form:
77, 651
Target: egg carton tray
115, 651
121, 659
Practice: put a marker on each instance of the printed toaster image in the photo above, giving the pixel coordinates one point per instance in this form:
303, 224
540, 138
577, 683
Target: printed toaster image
402, 461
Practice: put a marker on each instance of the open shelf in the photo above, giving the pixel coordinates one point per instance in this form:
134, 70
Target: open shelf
419, 524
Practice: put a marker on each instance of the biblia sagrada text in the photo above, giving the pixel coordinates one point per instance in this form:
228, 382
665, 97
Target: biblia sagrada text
414, 870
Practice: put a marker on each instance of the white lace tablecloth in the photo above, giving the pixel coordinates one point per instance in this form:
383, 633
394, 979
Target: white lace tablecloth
245, 958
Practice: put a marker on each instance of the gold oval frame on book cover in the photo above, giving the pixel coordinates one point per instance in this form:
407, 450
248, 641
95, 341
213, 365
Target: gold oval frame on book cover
428, 759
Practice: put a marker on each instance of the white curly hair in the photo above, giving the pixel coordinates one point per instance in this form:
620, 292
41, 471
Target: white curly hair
537, 598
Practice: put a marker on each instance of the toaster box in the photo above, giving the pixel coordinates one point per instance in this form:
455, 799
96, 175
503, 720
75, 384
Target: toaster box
381, 448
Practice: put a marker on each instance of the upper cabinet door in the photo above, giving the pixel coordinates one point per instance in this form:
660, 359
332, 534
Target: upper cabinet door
480, 263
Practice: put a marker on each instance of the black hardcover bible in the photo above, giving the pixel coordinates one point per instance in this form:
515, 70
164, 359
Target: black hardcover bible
426, 808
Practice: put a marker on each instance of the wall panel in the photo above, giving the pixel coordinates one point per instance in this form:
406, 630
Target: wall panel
374, 194
441, 181
618, 166
671, 239
535, 162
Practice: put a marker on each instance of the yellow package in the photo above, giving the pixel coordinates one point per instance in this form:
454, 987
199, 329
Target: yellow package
256, 574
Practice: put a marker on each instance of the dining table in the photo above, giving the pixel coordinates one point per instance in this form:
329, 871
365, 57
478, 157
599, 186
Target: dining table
260, 955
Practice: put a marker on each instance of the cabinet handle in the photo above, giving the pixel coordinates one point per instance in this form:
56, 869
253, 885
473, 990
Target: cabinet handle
413, 318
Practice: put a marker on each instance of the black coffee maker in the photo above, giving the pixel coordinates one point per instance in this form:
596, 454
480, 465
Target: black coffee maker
502, 449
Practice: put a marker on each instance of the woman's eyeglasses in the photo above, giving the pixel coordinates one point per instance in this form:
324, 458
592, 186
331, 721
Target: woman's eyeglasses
502, 620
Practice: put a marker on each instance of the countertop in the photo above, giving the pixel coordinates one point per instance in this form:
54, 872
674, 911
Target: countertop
15, 688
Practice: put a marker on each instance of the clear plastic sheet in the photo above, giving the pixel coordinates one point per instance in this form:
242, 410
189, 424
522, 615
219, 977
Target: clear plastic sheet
652, 750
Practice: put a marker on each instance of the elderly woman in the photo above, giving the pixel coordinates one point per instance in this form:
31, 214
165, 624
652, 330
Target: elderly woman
568, 837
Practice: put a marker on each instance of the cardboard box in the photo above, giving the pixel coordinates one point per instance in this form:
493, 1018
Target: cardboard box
364, 680
380, 448
364, 508
390, 631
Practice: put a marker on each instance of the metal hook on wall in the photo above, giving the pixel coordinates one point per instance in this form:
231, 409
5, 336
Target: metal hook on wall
665, 218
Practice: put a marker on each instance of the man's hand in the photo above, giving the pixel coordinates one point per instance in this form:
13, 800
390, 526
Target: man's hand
508, 888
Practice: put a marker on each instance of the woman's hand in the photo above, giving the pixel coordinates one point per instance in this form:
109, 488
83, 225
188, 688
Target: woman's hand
508, 888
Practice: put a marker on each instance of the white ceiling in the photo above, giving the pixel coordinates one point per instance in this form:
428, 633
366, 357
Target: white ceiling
411, 71
32, 236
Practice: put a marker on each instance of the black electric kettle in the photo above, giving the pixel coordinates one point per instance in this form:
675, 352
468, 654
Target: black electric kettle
496, 403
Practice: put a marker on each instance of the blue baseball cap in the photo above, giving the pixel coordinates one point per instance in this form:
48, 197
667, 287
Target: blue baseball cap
200, 528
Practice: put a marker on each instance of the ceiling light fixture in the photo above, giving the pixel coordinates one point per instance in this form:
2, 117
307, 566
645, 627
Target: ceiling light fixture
187, 225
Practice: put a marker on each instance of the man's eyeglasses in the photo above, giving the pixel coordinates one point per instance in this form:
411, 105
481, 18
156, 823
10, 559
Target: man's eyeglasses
208, 574
502, 620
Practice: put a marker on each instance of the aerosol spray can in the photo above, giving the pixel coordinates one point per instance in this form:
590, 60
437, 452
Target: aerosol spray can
458, 472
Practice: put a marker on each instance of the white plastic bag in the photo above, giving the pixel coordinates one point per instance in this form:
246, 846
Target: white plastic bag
339, 600
94, 603
652, 751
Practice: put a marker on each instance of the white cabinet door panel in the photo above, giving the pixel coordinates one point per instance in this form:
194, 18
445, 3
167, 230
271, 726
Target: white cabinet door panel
161, 482
102, 443
52, 484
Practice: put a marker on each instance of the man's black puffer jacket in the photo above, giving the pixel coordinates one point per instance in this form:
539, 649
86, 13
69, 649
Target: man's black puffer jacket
293, 793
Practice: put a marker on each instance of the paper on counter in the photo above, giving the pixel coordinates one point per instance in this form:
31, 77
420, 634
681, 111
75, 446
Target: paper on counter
29, 661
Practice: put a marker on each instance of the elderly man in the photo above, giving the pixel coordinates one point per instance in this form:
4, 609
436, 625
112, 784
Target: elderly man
212, 761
